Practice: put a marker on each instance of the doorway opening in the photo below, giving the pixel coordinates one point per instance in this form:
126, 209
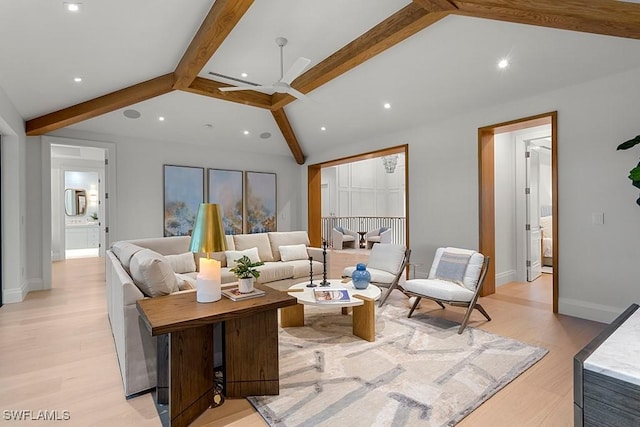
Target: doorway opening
534, 214
321, 208
77, 202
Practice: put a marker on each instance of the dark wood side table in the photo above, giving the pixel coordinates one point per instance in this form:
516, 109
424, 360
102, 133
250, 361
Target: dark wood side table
362, 241
250, 337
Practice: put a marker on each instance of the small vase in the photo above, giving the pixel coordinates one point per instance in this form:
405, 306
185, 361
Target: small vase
360, 277
245, 285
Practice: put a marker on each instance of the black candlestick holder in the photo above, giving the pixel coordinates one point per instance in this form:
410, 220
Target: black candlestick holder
324, 265
311, 285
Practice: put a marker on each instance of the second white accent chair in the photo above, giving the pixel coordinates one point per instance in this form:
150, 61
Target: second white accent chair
379, 235
387, 263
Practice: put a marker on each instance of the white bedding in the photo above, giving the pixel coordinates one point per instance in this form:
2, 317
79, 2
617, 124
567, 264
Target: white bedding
547, 247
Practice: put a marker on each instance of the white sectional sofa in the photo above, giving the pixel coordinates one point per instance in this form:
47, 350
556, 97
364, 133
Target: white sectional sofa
146, 268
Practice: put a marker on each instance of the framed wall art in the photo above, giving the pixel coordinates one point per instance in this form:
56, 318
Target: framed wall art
260, 201
225, 189
183, 193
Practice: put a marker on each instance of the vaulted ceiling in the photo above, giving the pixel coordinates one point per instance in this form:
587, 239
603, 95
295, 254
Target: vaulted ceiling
428, 58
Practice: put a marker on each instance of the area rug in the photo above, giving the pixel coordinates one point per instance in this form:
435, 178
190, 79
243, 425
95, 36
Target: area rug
419, 371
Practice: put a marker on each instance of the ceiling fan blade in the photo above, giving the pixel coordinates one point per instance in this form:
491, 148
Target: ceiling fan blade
296, 69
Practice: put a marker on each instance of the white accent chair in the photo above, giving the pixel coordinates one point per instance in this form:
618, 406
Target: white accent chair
343, 238
469, 266
379, 235
387, 263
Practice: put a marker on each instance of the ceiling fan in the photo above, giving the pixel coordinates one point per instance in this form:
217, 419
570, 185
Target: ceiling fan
284, 84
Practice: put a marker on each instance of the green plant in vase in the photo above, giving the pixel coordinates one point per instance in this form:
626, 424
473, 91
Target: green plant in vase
634, 174
246, 272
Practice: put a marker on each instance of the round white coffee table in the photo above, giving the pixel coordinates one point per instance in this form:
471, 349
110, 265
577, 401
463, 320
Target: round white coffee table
362, 301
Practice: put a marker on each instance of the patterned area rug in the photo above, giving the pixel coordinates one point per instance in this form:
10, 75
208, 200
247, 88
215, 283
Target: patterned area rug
419, 371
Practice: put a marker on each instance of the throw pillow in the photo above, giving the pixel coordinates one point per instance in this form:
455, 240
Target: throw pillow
452, 267
125, 251
152, 273
242, 242
183, 263
233, 256
293, 252
340, 229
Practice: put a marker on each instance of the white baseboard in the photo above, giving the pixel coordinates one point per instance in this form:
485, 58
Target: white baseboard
35, 285
506, 277
14, 295
588, 310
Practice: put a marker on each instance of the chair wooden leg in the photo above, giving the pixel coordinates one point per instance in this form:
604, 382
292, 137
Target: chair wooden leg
467, 314
482, 310
440, 304
386, 294
413, 307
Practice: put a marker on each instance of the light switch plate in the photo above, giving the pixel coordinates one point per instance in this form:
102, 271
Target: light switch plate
597, 218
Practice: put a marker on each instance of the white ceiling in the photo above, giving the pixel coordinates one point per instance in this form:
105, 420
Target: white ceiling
447, 69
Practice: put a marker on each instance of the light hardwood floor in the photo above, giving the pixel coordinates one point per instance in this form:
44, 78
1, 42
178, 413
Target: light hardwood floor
57, 353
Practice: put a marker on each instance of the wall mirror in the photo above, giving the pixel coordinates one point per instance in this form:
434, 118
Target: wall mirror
75, 202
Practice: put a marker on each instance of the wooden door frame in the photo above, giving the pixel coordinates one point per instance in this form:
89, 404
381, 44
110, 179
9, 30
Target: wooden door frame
486, 192
314, 189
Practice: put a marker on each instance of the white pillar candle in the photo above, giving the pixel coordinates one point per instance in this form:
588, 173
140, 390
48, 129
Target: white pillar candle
208, 287
209, 269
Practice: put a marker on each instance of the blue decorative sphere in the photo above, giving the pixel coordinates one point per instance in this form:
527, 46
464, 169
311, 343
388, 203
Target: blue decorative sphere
360, 277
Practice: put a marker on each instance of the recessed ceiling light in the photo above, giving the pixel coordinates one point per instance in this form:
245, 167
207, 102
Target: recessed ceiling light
244, 75
208, 125
131, 114
265, 135
323, 128
72, 7
246, 132
387, 105
77, 79
161, 118
503, 63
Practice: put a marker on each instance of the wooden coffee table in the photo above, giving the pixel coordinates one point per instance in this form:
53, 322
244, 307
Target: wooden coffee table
361, 300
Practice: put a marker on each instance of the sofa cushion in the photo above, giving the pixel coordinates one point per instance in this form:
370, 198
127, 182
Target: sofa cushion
258, 240
233, 256
183, 263
124, 251
293, 252
274, 271
285, 238
186, 281
152, 273
301, 268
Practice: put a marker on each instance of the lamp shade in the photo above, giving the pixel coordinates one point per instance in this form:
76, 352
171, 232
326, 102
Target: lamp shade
208, 233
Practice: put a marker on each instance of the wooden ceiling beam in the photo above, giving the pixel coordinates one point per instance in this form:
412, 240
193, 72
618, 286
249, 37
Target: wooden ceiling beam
217, 25
436, 5
211, 88
289, 136
604, 17
399, 26
101, 105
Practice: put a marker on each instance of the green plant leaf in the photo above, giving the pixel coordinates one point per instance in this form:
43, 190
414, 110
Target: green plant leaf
634, 174
630, 143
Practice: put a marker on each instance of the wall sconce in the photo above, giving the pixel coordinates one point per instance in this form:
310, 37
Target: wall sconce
390, 163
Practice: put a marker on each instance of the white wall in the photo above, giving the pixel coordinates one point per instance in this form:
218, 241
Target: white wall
364, 188
505, 208
14, 281
139, 170
598, 274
